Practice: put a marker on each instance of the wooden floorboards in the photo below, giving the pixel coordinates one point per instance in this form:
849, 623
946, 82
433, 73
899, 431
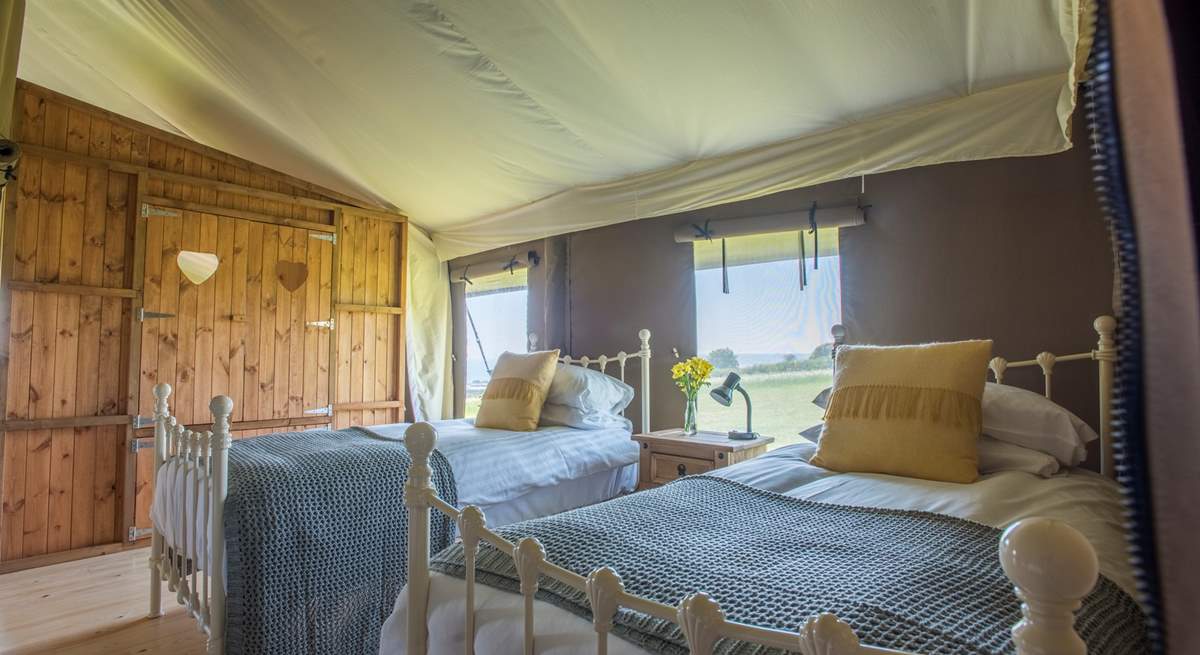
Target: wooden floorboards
95, 606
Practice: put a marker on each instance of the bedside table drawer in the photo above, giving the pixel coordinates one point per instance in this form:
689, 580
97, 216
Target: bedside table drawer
665, 468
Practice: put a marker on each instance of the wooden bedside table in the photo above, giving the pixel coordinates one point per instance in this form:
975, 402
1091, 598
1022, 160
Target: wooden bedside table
668, 454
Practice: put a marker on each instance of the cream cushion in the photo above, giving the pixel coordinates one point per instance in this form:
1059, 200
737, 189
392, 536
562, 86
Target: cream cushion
906, 410
514, 396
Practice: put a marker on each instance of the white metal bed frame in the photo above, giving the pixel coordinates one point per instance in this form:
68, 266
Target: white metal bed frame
207, 454
1052, 565
620, 358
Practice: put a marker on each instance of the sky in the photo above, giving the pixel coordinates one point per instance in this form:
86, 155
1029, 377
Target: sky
501, 321
765, 313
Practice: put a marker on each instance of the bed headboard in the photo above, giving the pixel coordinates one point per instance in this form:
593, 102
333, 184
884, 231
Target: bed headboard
601, 362
1104, 354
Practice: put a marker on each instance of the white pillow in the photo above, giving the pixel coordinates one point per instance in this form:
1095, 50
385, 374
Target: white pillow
1024, 418
1031, 420
573, 417
996, 456
588, 390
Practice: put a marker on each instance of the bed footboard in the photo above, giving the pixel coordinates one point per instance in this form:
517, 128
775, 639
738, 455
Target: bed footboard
1052, 567
191, 561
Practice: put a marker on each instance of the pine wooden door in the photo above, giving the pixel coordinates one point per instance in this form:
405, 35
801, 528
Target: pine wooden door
258, 330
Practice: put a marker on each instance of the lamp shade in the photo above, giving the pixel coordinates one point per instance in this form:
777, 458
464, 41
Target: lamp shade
724, 393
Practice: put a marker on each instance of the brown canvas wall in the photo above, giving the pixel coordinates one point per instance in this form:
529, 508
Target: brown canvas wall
1010, 249
627, 277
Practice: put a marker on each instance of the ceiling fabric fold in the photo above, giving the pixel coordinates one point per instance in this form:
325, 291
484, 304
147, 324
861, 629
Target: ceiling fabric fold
495, 123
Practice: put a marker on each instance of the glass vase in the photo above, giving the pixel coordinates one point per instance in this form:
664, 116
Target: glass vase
689, 417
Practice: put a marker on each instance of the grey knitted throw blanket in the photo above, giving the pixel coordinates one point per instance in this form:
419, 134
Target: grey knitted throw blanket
907, 580
316, 537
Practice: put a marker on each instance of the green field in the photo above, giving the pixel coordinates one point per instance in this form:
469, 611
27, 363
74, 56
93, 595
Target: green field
782, 405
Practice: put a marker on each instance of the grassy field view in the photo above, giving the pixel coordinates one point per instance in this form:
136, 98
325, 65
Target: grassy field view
782, 405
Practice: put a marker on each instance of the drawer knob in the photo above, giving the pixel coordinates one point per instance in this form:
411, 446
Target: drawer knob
682, 468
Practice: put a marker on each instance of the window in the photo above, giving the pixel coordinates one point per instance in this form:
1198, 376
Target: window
769, 330
496, 322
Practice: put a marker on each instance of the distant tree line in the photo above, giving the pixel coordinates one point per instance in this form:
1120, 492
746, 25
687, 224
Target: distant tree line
724, 359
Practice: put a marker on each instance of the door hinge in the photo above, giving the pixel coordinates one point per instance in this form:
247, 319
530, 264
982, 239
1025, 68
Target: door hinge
143, 314
320, 411
136, 445
139, 422
324, 236
323, 325
149, 211
139, 533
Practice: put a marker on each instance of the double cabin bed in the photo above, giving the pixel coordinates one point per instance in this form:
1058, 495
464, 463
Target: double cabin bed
777, 554
311, 528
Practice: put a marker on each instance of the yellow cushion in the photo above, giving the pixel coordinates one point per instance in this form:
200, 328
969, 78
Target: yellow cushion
514, 396
906, 410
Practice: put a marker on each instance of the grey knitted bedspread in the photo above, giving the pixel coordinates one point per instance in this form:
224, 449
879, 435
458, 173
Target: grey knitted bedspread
908, 580
316, 537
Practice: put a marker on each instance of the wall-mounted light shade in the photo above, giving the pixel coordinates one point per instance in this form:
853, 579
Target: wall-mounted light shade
197, 267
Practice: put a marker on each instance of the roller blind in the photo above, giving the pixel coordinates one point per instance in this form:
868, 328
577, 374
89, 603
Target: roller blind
498, 282
762, 248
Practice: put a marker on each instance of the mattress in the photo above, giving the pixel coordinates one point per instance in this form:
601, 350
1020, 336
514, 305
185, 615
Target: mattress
566, 495
1087, 501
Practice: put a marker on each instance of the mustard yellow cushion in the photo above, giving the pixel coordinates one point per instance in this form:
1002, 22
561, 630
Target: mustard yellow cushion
906, 410
514, 396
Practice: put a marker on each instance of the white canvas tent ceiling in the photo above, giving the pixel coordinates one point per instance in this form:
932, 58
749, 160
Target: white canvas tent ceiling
496, 122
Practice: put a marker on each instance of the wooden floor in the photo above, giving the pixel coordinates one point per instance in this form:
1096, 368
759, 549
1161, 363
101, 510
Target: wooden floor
95, 606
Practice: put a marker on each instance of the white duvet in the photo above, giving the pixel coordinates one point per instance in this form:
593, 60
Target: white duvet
491, 467
1087, 501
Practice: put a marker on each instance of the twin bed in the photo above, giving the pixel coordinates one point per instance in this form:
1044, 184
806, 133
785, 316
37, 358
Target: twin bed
311, 527
776, 554
771, 554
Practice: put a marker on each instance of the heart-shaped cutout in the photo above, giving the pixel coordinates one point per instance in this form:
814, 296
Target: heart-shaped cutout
197, 266
291, 274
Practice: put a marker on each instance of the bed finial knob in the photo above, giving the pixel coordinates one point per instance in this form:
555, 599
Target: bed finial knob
1053, 567
419, 439
998, 365
701, 619
1105, 325
604, 588
221, 405
826, 634
644, 337
471, 522
162, 391
529, 555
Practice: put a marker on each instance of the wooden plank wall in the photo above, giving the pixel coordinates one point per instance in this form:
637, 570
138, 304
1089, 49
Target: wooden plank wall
65, 350
370, 335
79, 261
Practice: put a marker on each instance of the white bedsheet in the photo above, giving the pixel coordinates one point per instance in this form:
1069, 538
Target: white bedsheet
491, 468
1085, 500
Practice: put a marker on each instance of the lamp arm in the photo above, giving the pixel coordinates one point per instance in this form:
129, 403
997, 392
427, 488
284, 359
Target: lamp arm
749, 409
